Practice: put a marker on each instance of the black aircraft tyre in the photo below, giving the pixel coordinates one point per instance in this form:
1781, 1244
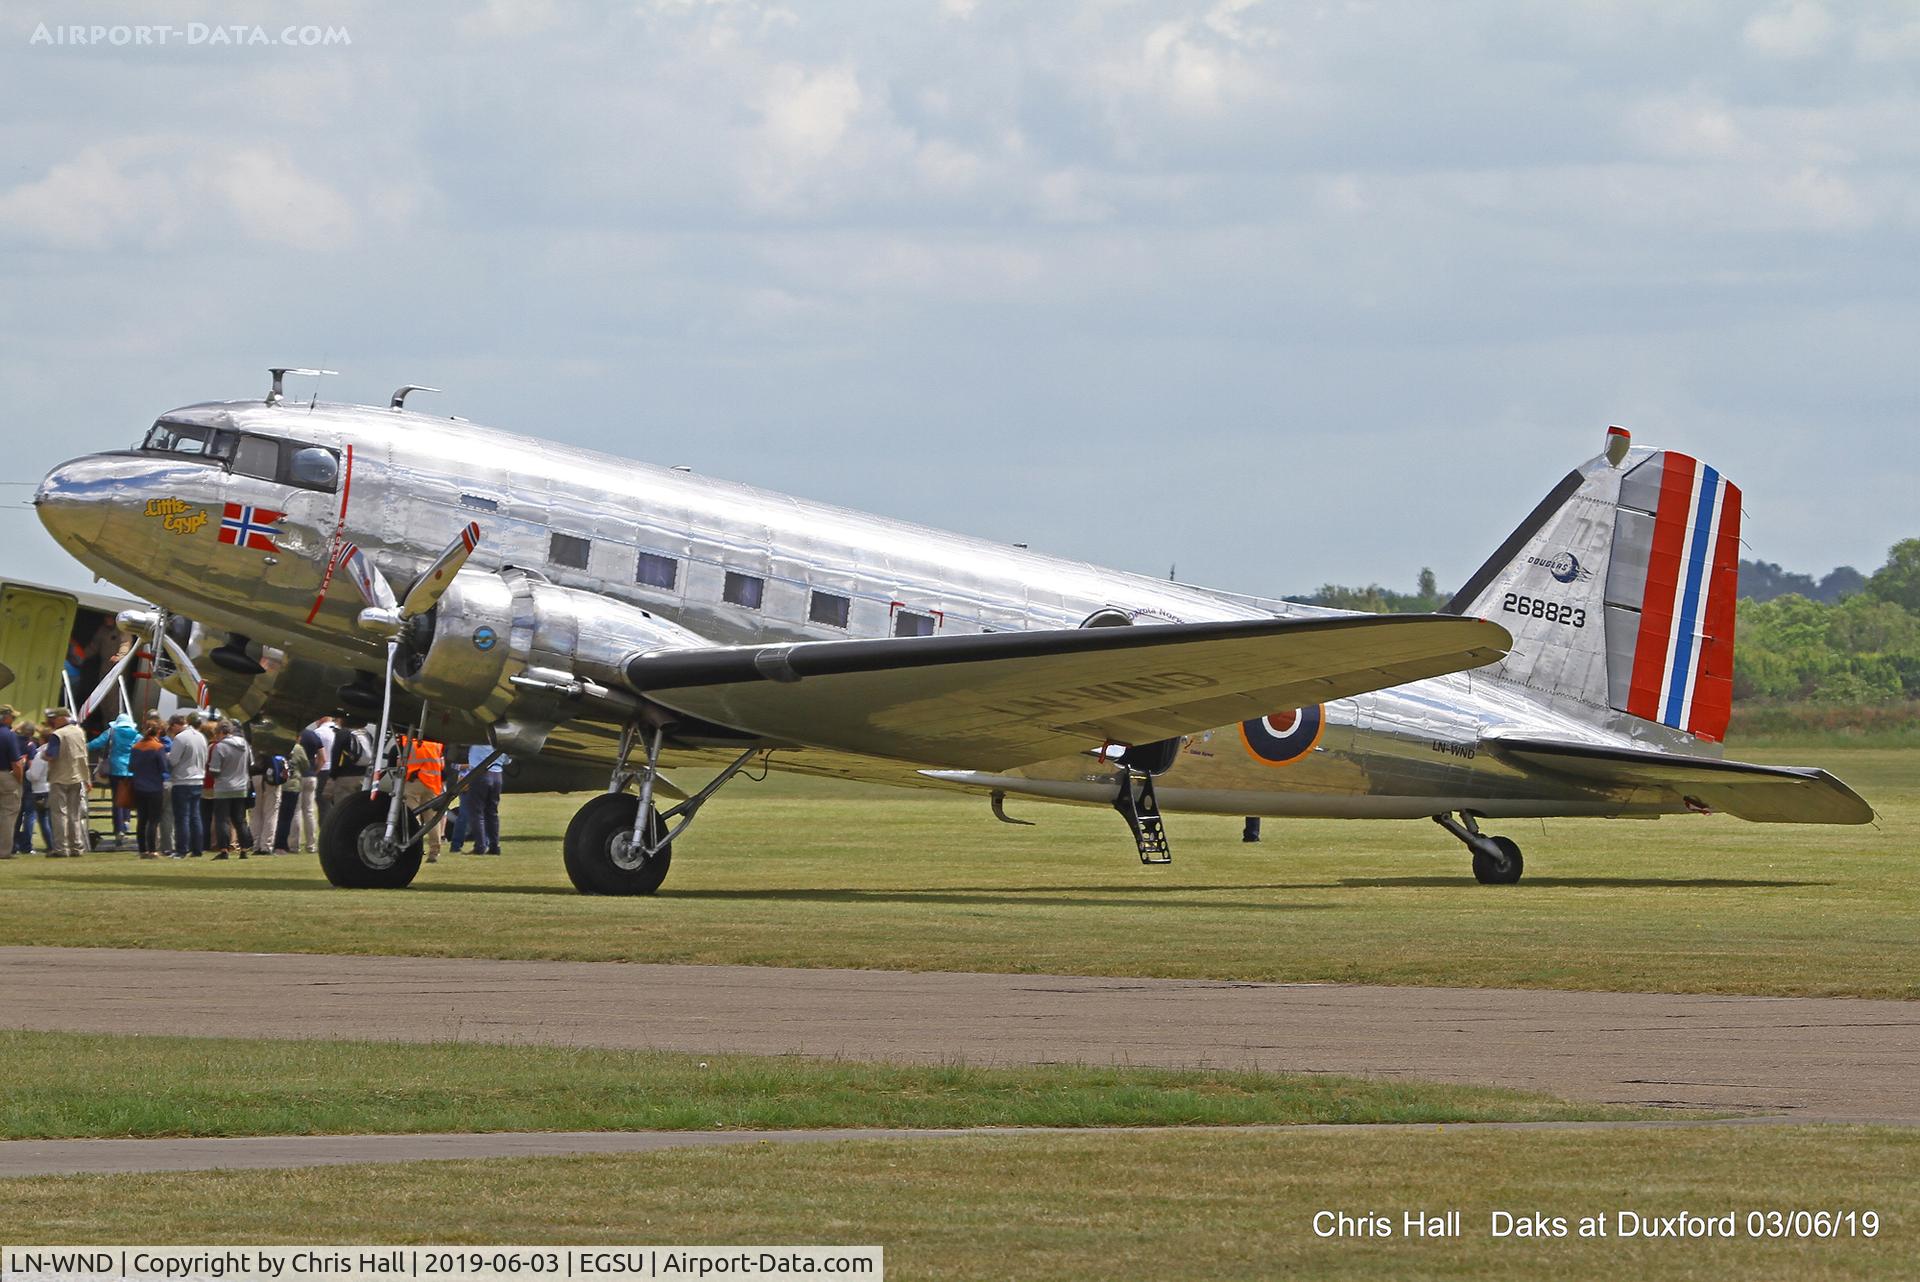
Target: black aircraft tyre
1500, 865
353, 847
600, 856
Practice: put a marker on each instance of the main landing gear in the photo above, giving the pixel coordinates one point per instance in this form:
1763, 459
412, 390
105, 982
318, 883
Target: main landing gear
1496, 860
371, 840
354, 848
610, 848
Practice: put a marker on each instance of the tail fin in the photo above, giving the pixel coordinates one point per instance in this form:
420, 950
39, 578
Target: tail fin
1619, 591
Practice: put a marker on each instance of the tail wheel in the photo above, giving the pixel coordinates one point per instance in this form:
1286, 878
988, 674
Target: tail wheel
1498, 862
601, 856
355, 852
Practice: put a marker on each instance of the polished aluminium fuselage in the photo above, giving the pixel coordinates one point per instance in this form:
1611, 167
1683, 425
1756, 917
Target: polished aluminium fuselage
1410, 751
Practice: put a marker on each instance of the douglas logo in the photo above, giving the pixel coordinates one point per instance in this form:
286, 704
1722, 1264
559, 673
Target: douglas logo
1566, 567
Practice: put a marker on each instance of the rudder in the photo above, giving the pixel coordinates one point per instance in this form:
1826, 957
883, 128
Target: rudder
1619, 590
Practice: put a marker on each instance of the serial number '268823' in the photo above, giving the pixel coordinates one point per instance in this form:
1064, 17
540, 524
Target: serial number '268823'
1552, 611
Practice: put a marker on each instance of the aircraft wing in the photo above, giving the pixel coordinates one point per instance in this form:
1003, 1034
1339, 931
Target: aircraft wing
1763, 794
996, 700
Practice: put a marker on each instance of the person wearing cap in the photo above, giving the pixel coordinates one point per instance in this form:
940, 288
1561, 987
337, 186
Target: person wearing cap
13, 776
67, 779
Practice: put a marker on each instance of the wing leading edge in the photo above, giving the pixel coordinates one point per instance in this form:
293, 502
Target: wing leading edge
1762, 794
996, 700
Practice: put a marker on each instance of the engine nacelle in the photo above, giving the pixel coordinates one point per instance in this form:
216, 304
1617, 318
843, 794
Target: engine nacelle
489, 629
456, 653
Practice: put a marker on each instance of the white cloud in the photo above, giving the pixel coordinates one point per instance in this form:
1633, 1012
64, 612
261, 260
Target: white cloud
948, 168
1797, 30
1065, 196
1256, 218
274, 203
1687, 129
155, 192
97, 199
806, 113
1889, 44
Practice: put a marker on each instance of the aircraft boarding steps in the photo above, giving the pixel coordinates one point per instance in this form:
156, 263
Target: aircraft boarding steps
1138, 806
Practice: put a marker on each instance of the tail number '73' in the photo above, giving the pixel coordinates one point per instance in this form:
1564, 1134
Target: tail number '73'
1552, 611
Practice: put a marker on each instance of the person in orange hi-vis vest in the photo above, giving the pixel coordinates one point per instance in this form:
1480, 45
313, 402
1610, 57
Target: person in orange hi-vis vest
426, 778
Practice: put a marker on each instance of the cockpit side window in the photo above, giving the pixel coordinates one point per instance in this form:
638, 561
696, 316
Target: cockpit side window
189, 439
313, 468
257, 456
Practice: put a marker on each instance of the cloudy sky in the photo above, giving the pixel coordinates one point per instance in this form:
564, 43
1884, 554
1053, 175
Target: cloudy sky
1278, 292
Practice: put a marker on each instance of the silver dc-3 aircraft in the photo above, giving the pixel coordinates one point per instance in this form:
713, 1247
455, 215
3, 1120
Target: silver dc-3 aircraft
572, 608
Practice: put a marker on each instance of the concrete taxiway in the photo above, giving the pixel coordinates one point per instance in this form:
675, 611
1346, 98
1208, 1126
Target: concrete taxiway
1830, 1059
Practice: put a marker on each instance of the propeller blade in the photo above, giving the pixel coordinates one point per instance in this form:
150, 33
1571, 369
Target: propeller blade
106, 685
184, 666
350, 560
427, 589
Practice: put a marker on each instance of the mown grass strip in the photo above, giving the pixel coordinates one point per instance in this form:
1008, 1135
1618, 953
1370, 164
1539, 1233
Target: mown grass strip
792, 874
86, 1086
1188, 1205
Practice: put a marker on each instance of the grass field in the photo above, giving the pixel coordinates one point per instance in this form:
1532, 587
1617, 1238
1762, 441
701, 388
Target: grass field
1148, 1205
819, 875
89, 1086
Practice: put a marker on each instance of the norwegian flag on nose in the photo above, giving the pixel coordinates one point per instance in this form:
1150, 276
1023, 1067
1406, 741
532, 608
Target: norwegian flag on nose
247, 526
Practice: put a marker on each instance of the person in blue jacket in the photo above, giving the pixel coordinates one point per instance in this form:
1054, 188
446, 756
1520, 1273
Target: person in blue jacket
117, 740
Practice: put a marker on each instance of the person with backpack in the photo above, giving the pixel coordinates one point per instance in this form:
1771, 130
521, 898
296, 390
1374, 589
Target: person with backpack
351, 752
269, 776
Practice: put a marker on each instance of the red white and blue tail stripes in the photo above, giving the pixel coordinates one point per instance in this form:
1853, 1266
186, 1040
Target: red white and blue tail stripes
1683, 658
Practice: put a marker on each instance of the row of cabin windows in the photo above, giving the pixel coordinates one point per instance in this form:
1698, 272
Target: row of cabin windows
653, 570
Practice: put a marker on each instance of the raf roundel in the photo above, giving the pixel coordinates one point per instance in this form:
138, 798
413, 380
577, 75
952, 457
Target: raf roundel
1283, 737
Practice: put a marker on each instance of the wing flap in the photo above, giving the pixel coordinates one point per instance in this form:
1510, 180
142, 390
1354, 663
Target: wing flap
996, 700
1761, 794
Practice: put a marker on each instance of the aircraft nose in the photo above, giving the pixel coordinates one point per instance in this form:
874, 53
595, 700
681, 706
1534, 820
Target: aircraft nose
77, 500
69, 502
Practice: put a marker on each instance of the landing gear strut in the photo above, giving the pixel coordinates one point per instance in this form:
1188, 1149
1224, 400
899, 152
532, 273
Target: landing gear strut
371, 840
619, 844
1496, 860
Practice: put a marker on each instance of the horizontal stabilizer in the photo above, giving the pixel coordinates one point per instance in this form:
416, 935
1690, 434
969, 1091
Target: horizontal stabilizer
1002, 699
1762, 794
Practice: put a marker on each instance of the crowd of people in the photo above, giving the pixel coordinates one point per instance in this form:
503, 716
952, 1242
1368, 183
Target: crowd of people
192, 784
